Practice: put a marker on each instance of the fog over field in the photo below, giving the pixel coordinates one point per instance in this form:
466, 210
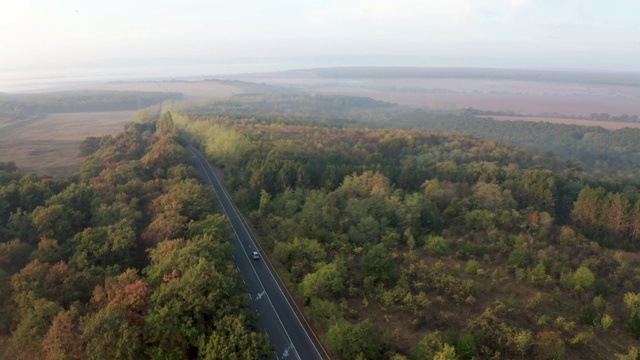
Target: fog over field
69, 41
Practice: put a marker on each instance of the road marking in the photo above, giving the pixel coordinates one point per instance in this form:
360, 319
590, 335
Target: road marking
245, 250
285, 353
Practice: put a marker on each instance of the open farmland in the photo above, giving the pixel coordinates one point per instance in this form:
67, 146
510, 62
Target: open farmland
49, 145
497, 90
190, 89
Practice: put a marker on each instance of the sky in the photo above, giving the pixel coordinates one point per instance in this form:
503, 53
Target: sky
248, 36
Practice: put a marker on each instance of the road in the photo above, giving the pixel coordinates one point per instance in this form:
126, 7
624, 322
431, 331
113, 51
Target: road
277, 316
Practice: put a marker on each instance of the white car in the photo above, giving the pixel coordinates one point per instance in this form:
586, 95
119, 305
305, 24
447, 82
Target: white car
255, 255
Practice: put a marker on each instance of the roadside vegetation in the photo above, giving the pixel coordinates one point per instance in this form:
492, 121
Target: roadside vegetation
409, 244
125, 260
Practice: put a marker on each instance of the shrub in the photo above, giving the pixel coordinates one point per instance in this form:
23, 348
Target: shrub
472, 267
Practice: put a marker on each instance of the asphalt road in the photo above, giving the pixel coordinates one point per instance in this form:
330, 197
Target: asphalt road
277, 317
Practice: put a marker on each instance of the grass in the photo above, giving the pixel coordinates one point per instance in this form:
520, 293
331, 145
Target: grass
49, 145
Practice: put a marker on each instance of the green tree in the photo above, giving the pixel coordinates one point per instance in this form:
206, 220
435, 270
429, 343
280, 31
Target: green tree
378, 264
583, 278
351, 342
466, 346
588, 315
34, 321
232, 340
165, 125
633, 323
448, 352
55, 221
428, 346
109, 334
329, 279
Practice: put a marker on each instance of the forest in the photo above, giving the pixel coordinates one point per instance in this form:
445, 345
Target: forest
604, 153
128, 259
398, 242
410, 244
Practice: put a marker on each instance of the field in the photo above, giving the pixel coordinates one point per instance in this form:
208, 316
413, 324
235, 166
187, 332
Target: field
568, 95
49, 145
190, 89
609, 125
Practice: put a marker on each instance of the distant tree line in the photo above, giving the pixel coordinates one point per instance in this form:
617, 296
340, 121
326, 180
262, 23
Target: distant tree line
553, 76
18, 106
593, 116
612, 154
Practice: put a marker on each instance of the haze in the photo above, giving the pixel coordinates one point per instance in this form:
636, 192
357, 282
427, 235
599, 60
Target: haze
177, 38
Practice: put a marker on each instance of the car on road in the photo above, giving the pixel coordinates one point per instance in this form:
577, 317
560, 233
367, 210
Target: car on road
255, 255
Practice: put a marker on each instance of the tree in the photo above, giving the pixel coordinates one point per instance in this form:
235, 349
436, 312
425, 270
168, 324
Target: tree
193, 285
35, 321
89, 146
536, 189
588, 315
378, 264
617, 220
633, 323
109, 334
21, 226
327, 280
55, 221
163, 155
48, 251
367, 184
466, 346
634, 223
448, 352
125, 292
428, 346
351, 342
63, 340
232, 340
583, 278
14, 255
491, 197
143, 116
165, 125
